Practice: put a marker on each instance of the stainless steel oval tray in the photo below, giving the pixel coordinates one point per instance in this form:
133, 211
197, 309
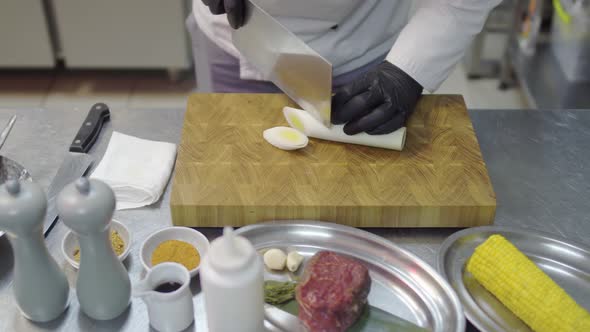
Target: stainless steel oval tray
568, 264
402, 284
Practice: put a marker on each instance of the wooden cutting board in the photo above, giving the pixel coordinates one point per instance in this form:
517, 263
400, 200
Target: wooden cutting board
227, 174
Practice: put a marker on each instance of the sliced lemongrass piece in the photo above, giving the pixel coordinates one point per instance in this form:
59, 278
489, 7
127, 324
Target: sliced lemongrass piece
307, 124
285, 138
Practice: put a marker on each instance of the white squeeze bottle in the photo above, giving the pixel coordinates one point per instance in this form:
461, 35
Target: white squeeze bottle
232, 279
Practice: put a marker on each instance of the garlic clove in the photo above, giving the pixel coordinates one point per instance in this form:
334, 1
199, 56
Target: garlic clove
294, 260
275, 259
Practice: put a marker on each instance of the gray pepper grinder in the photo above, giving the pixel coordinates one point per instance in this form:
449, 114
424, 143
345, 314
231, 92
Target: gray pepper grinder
40, 287
103, 286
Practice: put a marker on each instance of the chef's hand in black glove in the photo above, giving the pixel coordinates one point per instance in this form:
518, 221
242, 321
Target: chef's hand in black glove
378, 103
233, 8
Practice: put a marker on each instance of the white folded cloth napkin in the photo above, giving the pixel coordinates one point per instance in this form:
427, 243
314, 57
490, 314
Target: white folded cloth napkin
137, 169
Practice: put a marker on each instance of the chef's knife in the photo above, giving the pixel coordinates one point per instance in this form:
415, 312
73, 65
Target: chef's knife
7, 130
287, 61
77, 161
283, 320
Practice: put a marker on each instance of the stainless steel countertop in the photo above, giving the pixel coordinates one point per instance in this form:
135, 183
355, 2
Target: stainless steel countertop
543, 81
538, 162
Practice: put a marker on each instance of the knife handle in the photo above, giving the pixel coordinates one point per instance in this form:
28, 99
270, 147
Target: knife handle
88, 133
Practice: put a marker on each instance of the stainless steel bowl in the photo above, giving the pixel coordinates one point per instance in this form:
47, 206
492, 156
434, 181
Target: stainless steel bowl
10, 169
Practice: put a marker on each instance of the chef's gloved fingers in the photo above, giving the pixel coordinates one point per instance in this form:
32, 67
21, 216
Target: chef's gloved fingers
216, 7
344, 94
356, 107
235, 12
369, 121
390, 126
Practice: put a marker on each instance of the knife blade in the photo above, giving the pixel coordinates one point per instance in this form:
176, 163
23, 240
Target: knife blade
283, 320
299, 71
7, 130
77, 161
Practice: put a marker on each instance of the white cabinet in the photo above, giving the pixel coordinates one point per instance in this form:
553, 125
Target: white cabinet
24, 37
123, 33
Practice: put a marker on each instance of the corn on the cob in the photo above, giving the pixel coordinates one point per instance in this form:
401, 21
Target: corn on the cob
525, 289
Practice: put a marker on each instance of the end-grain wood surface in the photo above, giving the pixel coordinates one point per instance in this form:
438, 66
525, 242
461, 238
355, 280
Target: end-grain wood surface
227, 174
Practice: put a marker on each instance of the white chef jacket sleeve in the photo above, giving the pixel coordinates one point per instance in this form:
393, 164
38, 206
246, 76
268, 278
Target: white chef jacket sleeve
436, 37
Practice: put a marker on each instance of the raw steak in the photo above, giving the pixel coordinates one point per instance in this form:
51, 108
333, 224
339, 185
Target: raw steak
332, 293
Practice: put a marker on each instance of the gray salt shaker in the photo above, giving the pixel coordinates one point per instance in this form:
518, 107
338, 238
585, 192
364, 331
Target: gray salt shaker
40, 287
103, 287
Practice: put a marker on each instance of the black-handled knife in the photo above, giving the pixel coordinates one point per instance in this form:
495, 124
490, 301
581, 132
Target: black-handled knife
88, 133
77, 161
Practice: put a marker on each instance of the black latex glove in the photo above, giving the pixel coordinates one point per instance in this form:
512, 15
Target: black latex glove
378, 103
233, 8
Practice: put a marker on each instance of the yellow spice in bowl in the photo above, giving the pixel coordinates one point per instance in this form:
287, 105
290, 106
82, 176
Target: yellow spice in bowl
178, 252
116, 241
